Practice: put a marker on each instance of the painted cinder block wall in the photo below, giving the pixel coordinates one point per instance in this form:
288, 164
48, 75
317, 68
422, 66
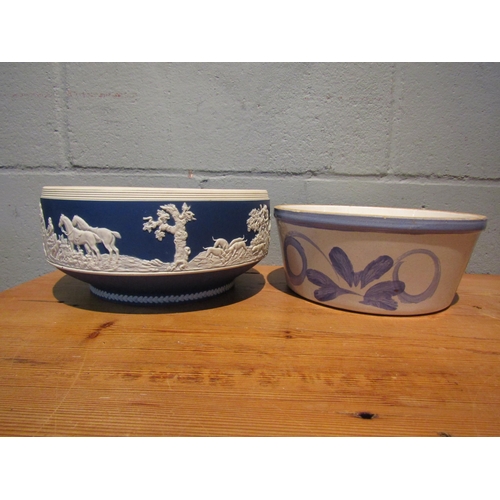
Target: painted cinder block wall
404, 134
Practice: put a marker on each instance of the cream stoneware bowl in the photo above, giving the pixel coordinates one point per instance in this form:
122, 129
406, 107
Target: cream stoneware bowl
376, 260
154, 245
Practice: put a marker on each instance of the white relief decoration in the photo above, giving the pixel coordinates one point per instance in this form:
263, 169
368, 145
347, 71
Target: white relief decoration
160, 299
178, 229
107, 237
79, 245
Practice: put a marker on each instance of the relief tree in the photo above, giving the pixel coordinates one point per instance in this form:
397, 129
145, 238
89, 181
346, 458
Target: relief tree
259, 223
178, 229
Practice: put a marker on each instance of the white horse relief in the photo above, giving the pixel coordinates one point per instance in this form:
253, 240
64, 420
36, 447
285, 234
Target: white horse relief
77, 244
107, 237
78, 238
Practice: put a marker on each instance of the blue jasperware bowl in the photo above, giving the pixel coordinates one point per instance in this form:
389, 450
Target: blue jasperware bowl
154, 245
376, 260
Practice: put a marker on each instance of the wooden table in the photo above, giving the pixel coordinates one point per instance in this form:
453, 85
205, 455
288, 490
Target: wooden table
257, 360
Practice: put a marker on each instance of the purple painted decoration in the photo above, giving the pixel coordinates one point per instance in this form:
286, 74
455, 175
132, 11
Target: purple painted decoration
380, 295
344, 268
328, 289
374, 270
342, 265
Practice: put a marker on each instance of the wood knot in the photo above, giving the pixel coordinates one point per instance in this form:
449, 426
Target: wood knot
365, 415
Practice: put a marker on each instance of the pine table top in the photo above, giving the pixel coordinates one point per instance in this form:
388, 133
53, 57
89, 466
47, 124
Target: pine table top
255, 361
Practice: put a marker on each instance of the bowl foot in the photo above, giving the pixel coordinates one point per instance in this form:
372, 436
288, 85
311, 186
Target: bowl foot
160, 299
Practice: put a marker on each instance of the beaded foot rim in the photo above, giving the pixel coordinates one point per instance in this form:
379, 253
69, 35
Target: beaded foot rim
160, 299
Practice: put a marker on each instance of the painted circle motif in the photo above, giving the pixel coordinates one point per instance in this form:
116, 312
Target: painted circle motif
429, 291
382, 294
296, 279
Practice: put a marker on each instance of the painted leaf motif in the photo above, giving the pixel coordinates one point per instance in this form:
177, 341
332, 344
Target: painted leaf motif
328, 289
373, 271
342, 265
318, 278
380, 295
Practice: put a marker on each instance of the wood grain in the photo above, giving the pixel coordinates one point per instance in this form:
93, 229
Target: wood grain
256, 361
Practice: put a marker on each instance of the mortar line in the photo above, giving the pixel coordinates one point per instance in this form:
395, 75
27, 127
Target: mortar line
207, 175
62, 111
392, 117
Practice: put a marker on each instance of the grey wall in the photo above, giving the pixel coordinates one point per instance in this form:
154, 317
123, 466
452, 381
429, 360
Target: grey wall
408, 135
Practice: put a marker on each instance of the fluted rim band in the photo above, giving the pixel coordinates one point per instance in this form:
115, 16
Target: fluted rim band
116, 193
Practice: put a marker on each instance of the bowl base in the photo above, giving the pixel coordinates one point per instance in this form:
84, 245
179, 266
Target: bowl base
159, 299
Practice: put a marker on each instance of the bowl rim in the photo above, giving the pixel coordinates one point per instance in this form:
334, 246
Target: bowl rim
375, 218
131, 193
